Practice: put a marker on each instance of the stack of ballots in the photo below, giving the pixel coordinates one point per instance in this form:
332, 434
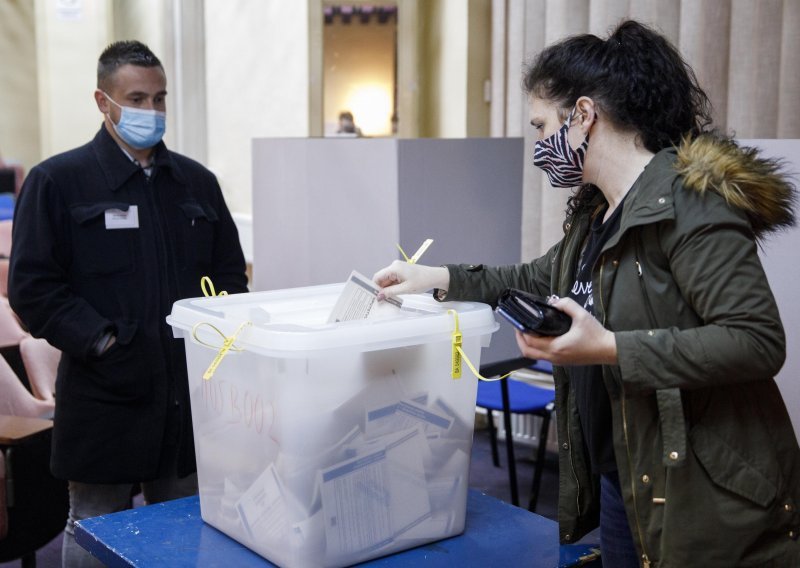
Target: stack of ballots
326, 443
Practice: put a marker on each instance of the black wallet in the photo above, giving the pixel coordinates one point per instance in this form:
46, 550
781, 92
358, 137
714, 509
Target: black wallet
532, 314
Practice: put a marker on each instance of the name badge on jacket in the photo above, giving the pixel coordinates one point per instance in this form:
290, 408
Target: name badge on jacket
119, 219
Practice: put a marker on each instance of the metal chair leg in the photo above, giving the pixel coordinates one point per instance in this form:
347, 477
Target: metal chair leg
540, 457
493, 438
512, 464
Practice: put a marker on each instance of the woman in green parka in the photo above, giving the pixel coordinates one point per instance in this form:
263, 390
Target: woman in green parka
673, 435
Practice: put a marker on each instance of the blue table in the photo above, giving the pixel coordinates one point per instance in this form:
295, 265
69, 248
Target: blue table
173, 534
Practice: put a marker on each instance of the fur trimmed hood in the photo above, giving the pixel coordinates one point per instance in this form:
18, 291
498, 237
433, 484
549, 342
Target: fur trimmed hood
759, 186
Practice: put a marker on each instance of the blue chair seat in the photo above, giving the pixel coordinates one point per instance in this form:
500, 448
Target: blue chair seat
523, 398
542, 367
6, 206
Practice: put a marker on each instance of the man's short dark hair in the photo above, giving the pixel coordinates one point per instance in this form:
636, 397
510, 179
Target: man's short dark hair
121, 53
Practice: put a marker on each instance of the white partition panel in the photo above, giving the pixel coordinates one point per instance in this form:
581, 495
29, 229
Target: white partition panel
325, 206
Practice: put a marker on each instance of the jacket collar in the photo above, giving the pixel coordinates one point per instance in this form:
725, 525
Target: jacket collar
118, 168
650, 200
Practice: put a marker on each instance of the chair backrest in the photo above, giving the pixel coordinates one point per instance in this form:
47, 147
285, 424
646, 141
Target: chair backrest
7, 203
15, 400
5, 237
8, 180
41, 364
11, 332
4, 277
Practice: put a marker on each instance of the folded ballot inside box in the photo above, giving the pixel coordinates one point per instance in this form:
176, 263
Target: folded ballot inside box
326, 443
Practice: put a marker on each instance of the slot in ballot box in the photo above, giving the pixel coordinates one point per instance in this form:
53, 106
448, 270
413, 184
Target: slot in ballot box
327, 444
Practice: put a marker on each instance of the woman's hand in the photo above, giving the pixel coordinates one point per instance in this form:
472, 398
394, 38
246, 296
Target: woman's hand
403, 278
586, 343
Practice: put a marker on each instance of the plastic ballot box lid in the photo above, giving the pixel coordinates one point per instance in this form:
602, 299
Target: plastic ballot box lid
294, 322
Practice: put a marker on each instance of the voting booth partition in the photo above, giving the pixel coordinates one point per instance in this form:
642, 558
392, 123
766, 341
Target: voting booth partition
325, 206
328, 444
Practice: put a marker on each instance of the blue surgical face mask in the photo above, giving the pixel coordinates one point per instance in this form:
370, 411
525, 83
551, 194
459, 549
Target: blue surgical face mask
139, 128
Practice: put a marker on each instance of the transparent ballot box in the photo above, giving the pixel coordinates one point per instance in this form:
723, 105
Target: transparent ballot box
328, 444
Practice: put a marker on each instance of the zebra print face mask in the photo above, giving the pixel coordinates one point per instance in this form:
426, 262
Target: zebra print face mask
554, 155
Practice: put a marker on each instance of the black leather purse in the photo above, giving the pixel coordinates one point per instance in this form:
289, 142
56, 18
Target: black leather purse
532, 314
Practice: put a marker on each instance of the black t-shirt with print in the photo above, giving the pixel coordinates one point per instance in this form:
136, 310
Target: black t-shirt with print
594, 408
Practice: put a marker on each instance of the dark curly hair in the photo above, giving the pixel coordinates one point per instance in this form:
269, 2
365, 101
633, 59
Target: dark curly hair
636, 77
119, 53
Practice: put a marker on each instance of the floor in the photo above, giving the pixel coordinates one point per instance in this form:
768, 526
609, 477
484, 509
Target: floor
483, 475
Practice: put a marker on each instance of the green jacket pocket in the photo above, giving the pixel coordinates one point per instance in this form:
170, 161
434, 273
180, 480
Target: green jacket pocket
728, 469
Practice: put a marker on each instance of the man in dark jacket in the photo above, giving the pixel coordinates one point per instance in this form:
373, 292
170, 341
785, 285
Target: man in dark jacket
106, 237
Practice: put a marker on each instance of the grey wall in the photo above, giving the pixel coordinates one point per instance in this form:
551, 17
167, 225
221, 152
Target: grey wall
325, 206
781, 258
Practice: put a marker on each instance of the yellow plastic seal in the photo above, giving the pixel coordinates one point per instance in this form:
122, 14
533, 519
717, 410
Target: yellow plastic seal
417, 255
458, 354
227, 345
457, 350
207, 286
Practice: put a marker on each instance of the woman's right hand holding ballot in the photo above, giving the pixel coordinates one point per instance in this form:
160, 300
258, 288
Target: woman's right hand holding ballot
402, 277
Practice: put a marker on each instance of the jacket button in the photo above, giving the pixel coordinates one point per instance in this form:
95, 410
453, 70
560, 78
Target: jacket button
793, 535
673, 455
565, 446
567, 537
645, 478
661, 200
615, 262
651, 333
788, 508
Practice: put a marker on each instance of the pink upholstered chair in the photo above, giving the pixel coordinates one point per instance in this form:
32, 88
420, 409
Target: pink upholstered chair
5, 251
41, 364
11, 332
15, 400
5, 238
4, 277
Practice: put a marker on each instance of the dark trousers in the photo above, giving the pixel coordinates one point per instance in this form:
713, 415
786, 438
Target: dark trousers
616, 543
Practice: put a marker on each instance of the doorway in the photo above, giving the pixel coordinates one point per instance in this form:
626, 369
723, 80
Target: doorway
359, 65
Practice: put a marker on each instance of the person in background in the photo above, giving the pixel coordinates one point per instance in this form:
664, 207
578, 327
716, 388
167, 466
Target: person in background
673, 435
347, 124
106, 237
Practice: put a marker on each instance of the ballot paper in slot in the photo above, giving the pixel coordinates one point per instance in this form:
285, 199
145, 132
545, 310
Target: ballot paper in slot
359, 300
